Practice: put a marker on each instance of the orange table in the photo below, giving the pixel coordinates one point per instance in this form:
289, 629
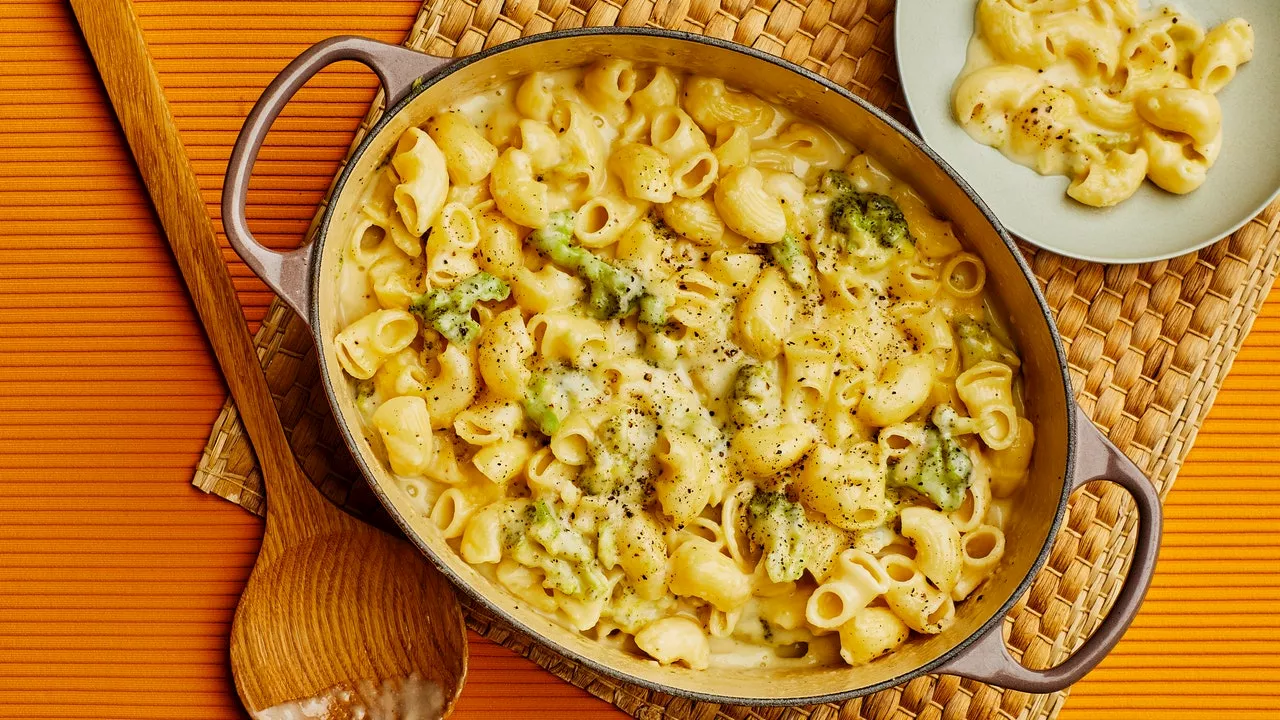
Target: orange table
118, 579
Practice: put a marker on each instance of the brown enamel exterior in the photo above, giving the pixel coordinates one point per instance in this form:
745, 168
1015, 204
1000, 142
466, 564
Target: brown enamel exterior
1070, 451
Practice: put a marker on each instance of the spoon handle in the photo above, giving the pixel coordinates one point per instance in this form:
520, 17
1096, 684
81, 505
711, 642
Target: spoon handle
120, 52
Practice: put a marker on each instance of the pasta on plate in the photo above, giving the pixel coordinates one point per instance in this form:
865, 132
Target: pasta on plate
683, 371
1100, 91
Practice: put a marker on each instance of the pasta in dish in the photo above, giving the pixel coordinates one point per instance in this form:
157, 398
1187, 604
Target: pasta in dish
1100, 92
682, 371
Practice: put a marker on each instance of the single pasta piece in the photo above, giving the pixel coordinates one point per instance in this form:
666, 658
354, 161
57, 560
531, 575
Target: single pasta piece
674, 133
502, 461
539, 142
451, 512
660, 91
453, 388
767, 451
699, 569
1224, 50
764, 315
601, 220
986, 389
921, 606
1009, 466
468, 155
643, 556
981, 550
847, 488
937, 545
693, 177
645, 172
405, 428
856, 580
1111, 181
694, 218
609, 84
367, 343
424, 181
747, 209
518, 195
681, 487
871, 633
676, 639
903, 388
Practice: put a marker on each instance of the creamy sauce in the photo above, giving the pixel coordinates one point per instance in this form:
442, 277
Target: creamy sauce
662, 456
412, 698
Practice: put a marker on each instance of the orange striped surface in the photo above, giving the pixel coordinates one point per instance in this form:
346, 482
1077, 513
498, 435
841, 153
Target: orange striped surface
118, 579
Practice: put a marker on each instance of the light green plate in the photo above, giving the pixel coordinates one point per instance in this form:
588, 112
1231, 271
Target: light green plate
931, 40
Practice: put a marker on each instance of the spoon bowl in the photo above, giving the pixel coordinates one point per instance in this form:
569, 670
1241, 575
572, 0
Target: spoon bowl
367, 604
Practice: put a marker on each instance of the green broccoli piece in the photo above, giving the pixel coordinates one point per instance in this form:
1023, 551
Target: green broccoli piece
978, 344
834, 182
568, 562
653, 311
789, 256
556, 536
449, 311
615, 458
632, 613
780, 528
941, 472
752, 395
614, 292
538, 405
561, 574
870, 216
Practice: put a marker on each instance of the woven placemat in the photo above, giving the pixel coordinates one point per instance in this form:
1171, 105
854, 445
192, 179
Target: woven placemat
1148, 346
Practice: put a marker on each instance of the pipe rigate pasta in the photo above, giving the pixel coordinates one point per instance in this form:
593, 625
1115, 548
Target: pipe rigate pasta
659, 358
364, 345
424, 181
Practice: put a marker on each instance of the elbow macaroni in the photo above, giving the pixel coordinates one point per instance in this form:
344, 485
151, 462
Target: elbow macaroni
722, 446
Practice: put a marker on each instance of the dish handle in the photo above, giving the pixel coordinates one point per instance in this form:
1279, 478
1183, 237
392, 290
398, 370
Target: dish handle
988, 659
289, 273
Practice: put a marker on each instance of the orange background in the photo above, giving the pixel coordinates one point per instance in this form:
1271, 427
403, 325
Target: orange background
118, 579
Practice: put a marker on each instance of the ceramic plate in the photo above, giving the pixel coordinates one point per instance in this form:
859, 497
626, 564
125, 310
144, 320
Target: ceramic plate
932, 37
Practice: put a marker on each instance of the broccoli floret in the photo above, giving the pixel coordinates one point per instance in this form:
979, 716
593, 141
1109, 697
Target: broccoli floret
941, 471
538, 405
632, 613
449, 311
615, 458
780, 528
874, 217
978, 344
568, 562
789, 256
653, 311
614, 292
752, 394
834, 182
556, 536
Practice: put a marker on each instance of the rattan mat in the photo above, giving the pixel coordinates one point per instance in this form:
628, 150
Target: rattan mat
1148, 346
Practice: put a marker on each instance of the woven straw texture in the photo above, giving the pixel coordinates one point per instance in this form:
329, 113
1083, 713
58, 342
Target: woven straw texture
1147, 345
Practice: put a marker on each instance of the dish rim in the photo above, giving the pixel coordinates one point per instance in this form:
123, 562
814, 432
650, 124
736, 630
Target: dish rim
313, 313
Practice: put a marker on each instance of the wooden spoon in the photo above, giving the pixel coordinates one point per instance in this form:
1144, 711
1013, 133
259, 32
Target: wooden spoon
335, 611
